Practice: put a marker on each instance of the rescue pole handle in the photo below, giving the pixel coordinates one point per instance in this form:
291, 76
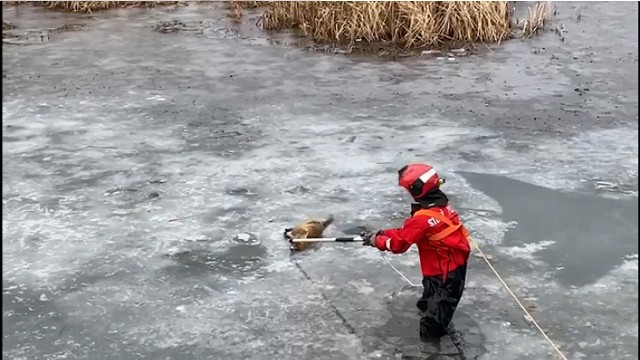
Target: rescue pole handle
336, 239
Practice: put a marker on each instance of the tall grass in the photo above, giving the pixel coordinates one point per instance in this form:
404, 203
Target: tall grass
539, 15
403, 24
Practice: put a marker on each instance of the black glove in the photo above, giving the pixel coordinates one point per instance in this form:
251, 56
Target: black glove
368, 237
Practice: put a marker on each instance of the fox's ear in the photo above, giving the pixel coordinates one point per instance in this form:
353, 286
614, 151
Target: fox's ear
328, 221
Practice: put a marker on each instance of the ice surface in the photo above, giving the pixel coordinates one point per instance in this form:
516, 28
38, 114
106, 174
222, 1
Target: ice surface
147, 179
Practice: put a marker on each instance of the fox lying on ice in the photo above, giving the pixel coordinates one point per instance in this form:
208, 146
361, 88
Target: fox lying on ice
308, 229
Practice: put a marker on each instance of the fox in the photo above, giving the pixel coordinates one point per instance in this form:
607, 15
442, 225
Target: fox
308, 229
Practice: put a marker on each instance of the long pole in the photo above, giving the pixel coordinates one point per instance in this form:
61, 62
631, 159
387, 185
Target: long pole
336, 239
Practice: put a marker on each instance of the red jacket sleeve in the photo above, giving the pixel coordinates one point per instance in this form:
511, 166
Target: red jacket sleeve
399, 240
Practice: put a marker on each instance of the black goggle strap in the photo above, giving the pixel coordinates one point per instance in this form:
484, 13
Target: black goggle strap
416, 188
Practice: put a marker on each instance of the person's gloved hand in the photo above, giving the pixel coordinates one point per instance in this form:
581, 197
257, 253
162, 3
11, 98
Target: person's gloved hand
369, 238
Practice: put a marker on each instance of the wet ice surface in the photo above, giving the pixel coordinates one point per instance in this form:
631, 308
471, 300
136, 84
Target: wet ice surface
147, 179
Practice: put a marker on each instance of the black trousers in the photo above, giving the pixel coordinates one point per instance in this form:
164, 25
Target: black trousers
439, 301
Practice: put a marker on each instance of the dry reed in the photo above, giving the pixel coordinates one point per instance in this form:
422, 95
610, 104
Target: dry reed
247, 4
539, 15
235, 8
403, 24
235, 12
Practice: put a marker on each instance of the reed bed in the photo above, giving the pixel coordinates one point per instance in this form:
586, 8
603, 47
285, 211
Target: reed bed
403, 24
393, 24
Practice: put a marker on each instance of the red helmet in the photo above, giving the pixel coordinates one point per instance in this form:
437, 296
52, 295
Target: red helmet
419, 179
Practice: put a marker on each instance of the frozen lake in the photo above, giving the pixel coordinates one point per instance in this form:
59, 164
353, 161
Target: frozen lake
133, 158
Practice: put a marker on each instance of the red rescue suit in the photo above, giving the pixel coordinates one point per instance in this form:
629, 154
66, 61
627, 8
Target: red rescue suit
442, 240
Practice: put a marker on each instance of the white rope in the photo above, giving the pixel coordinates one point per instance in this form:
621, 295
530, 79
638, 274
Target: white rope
544, 334
398, 271
475, 245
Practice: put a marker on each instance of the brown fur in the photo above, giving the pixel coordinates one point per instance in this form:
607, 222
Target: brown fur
308, 230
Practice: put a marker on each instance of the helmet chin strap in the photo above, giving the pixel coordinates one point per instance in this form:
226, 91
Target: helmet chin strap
415, 207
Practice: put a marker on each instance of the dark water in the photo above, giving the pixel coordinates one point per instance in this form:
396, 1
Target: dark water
592, 235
